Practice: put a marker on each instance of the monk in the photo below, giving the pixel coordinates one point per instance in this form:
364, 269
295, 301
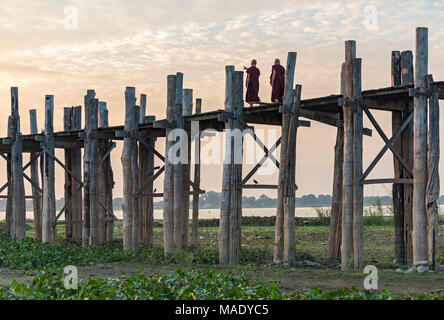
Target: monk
252, 83
277, 81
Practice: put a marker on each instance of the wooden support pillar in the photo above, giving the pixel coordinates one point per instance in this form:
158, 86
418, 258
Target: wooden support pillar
135, 183
236, 170
127, 152
178, 170
420, 149
358, 188
18, 188
36, 195
398, 188
94, 173
106, 182
76, 169
288, 102
168, 194
67, 116
347, 185
224, 222
195, 222
334, 238
289, 223
146, 170
49, 207
187, 111
433, 184
8, 213
407, 78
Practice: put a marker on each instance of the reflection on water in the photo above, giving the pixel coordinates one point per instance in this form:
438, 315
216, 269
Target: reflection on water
214, 213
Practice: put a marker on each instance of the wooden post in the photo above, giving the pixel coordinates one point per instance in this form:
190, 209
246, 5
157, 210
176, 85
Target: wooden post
49, 208
334, 238
407, 78
288, 102
433, 184
358, 188
76, 169
420, 149
36, 195
178, 170
135, 176
106, 181
127, 152
347, 184
103, 176
236, 170
289, 223
18, 194
224, 222
187, 111
67, 116
168, 194
8, 213
94, 174
398, 188
195, 223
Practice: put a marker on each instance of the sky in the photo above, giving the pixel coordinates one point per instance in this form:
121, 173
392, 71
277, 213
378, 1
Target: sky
64, 48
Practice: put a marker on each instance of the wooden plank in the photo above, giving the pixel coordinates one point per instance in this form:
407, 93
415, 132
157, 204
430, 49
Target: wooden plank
67, 116
137, 217
387, 180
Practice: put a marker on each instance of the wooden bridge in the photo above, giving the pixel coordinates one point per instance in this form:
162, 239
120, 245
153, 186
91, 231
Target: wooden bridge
88, 210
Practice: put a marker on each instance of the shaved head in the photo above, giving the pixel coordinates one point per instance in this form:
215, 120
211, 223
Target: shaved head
277, 61
253, 62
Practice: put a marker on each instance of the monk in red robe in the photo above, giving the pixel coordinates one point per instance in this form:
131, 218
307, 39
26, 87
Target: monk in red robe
252, 83
277, 81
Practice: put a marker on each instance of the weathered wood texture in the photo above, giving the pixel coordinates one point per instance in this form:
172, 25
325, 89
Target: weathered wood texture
94, 173
18, 188
433, 184
334, 238
76, 170
286, 117
407, 78
398, 189
178, 168
36, 195
290, 196
420, 149
187, 104
49, 207
347, 185
135, 182
67, 116
8, 213
196, 139
358, 188
127, 152
224, 222
236, 171
168, 198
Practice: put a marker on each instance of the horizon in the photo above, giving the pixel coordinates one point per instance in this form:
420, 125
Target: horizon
41, 56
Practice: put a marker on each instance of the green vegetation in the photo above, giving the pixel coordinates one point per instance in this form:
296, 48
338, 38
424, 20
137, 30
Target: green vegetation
191, 285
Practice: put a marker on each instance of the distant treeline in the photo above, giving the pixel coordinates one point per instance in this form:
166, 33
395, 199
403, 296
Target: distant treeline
211, 200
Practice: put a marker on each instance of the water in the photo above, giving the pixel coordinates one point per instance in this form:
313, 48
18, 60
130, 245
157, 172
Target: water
214, 213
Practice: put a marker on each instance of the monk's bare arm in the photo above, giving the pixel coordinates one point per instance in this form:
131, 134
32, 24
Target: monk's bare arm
247, 82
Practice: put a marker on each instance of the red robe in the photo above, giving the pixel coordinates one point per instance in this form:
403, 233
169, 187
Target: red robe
253, 85
279, 83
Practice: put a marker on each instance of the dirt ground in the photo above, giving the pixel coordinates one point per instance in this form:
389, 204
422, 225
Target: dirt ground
287, 278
